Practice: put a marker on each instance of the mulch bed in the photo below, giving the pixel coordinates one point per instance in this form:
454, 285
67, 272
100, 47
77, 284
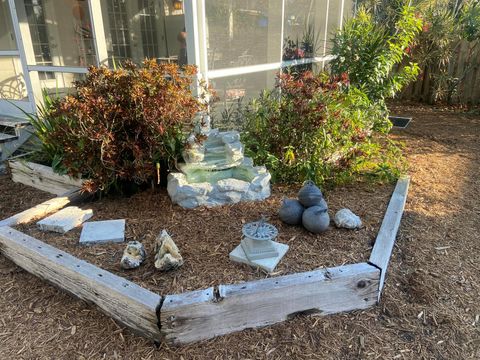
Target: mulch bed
17, 197
429, 308
205, 236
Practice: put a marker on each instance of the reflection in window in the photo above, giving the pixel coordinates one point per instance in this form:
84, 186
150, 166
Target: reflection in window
304, 29
234, 92
117, 16
147, 28
7, 38
243, 32
60, 32
139, 29
38, 31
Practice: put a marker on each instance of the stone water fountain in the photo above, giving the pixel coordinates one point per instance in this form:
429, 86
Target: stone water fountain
215, 173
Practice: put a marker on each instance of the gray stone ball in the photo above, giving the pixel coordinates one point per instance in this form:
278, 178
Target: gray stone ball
316, 219
291, 212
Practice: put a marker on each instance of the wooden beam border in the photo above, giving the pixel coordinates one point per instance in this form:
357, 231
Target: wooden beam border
42, 177
204, 314
44, 209
123, 300
387, 235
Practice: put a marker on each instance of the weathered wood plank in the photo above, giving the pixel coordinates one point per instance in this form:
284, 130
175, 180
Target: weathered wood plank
126, 302
382, 250
205, 314
42, 177
43, 209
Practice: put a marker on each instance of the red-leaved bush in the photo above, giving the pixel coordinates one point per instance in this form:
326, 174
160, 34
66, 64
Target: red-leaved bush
120, 123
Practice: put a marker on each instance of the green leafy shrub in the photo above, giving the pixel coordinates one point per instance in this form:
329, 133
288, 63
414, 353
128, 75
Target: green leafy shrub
310, 127
369, 53
122, 122
446, 25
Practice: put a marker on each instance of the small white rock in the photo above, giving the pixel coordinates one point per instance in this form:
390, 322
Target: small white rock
345, 218
167, 255
133, 255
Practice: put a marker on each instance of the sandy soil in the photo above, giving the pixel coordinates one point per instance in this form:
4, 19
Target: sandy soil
429, 310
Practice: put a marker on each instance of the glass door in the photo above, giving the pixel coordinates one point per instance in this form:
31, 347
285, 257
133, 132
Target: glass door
14, 87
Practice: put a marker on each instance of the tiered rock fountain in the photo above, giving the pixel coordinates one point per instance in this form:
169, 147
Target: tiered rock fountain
215, 173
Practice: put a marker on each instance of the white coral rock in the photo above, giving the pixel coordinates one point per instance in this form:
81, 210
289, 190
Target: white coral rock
167, 255
345, 218
133, 255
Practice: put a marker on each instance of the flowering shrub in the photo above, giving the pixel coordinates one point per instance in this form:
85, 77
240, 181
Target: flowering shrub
311, 128
123, 122
370, 54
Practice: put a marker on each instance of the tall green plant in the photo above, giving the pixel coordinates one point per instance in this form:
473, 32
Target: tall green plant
369, 53
45, 122
446, 25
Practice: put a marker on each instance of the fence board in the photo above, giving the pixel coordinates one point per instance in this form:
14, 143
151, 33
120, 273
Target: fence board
468, 90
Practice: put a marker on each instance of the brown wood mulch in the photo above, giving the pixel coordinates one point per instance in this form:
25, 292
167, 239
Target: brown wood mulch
205, 236
15, 198
429, 309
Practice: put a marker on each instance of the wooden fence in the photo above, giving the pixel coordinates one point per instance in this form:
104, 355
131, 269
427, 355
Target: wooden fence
464, 65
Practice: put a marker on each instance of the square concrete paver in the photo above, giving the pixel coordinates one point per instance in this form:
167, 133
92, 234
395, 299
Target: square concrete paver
99, 232
65, 220
268, 264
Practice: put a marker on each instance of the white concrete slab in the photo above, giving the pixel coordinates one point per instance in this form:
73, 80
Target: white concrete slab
65, 220
268, 265
100, 232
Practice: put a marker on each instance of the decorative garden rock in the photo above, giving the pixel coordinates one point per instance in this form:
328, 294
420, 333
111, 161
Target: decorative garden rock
216, 173
316, 219
167, 255
345, 218
194, 187
310, 195
133, 255
291, 212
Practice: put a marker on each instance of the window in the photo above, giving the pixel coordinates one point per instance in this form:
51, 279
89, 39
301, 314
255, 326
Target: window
248, 42
120, 35
148, 28
38, 31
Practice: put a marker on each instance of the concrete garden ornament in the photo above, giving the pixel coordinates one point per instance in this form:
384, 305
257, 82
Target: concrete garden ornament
215, 173
311, 195
316, 219
258, 248
310, 210
291, 212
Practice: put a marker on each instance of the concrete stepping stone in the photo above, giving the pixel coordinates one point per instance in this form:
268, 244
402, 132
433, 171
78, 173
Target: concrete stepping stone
65, 220
267, 264
100, 232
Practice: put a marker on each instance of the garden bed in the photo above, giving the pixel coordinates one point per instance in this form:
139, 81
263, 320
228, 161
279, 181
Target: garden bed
206, 236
